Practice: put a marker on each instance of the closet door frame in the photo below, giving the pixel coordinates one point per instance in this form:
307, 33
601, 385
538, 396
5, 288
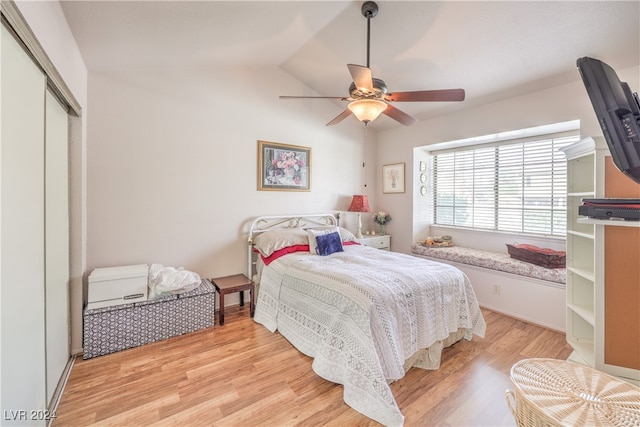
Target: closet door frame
12, 18
59, 354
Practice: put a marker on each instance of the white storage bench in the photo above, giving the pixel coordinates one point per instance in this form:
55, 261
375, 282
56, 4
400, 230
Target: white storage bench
506, 285
115, 328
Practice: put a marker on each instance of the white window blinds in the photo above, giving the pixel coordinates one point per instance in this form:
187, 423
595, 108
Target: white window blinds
512, 186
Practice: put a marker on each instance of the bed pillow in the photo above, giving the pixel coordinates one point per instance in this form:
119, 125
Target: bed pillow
313, 233
543, 257
345, 235
282, 252
329, 243
270, 241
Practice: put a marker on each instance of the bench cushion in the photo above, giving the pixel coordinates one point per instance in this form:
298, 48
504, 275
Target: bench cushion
492, 260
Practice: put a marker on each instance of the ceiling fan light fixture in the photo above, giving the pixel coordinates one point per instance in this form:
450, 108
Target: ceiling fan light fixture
367, 110
370, 96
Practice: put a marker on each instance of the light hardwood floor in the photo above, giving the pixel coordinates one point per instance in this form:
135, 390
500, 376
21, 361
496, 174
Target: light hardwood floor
240, 374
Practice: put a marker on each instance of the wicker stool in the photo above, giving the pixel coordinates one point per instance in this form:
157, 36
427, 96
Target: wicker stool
550, 392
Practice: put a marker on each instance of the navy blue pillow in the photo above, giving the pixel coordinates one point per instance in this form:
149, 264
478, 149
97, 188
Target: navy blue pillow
329, 243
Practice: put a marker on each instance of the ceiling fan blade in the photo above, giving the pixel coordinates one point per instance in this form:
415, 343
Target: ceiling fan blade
340, 98
361, 77
444, 95
340, 117
399, 115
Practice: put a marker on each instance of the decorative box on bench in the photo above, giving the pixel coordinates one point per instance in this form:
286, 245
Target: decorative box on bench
118, 285
543, 257
118, 327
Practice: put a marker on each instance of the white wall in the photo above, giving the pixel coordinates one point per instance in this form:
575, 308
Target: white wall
163, 169
172, 159
558, 104
171, 156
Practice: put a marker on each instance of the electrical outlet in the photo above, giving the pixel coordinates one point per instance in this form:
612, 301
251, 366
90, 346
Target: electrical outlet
496, 289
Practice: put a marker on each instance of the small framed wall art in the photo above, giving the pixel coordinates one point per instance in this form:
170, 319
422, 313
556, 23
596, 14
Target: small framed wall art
393, 178
283, 167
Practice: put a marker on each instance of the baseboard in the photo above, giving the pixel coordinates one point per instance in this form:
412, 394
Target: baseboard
57, 394
516, 317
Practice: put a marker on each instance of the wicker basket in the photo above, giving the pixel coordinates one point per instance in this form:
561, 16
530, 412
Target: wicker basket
550, 392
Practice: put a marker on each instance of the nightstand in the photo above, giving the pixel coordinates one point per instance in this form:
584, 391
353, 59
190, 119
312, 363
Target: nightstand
231, 284
382, 241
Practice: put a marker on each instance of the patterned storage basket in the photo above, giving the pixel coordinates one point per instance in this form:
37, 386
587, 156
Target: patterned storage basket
119, 327
550, 392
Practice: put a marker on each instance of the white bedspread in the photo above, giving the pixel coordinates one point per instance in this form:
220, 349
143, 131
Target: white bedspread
362, 313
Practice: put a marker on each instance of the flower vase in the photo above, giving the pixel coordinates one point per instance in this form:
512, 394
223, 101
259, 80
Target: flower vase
382, 229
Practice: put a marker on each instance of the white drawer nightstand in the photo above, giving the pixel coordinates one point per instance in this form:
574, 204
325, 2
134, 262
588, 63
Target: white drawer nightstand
382, 241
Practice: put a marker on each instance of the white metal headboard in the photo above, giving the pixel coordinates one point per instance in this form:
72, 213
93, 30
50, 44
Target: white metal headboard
276, 222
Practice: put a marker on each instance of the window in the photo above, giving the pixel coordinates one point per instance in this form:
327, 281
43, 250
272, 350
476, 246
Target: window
512, 186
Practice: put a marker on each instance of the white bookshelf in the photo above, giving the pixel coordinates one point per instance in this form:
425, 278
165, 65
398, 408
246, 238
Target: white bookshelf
585, 285
585, 163
611, 222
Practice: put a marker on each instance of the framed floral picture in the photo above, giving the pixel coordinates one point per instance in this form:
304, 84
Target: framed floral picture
393, 178
283, 167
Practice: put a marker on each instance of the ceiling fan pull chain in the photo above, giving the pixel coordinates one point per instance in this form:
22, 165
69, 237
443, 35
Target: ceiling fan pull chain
364, 155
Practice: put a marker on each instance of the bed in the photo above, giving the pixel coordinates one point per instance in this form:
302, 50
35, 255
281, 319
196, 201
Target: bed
364, 315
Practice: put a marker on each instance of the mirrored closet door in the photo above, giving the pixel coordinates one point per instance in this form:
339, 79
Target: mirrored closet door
34, 238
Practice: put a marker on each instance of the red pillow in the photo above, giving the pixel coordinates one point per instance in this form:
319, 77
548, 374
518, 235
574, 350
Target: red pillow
543, 257
289, 250
281, 252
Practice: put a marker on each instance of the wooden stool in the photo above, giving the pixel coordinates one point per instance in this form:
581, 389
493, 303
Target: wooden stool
231, 284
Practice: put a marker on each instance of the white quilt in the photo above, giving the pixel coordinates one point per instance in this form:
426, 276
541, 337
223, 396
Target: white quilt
362, 313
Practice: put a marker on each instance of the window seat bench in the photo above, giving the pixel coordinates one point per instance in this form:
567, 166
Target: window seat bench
492, 260
516, 288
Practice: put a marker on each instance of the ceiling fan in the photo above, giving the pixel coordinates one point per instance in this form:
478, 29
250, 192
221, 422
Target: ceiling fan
368, 96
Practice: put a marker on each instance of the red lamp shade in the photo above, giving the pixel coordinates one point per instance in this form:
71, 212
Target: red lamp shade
360, 203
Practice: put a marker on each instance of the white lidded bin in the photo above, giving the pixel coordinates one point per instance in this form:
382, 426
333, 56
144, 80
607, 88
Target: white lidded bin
118, 285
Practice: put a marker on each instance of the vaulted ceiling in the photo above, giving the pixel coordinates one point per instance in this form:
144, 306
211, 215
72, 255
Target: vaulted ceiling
492, 49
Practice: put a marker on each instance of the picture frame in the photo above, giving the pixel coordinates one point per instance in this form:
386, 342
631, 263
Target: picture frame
283, 167
393, 178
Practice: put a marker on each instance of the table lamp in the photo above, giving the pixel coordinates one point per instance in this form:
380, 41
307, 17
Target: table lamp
359, 203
